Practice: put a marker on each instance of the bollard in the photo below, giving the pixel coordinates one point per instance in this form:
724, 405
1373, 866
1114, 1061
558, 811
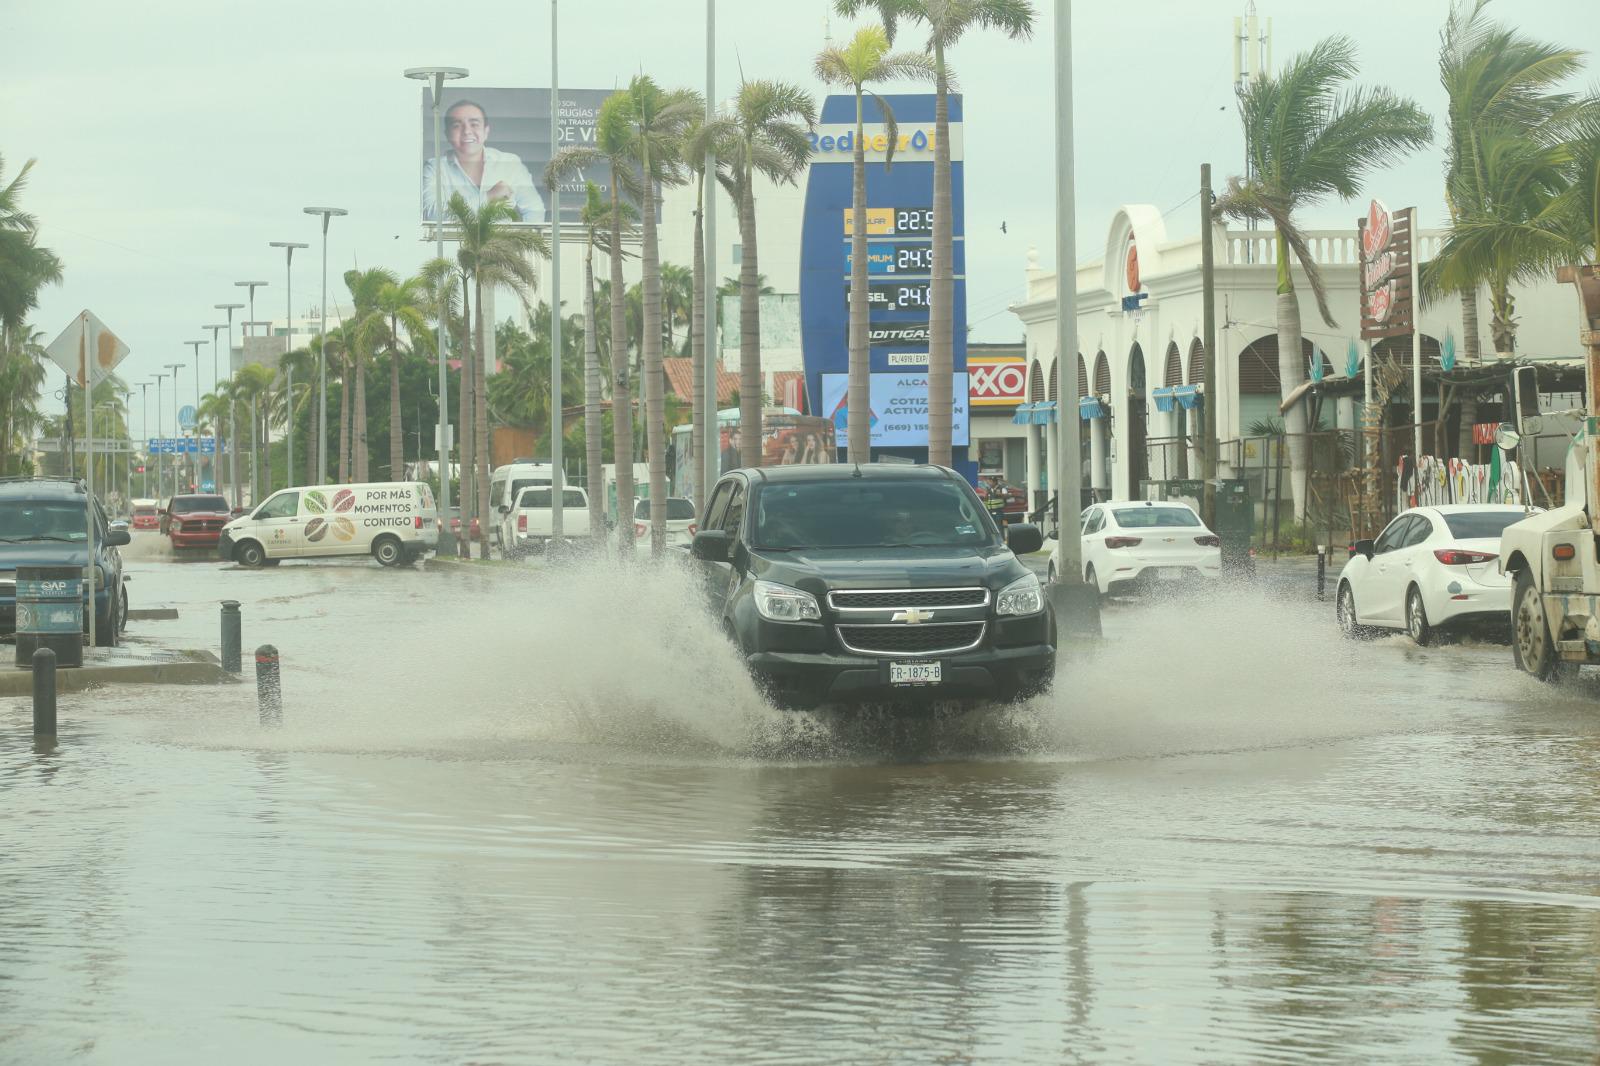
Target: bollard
231, 652
1322, 569
269, 686
44, 693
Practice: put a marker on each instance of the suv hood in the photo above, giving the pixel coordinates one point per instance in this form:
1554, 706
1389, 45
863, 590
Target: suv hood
825, 569
42, 553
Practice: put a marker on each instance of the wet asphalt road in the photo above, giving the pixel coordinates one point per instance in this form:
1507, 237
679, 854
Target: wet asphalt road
528, 818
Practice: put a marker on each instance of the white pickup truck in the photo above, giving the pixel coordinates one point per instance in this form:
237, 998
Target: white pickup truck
529, 525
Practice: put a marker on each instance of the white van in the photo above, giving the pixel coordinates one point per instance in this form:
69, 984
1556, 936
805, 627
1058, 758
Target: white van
393, 521
505, 486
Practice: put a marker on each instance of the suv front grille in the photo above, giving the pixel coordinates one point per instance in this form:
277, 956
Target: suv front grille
937, 638
894, 599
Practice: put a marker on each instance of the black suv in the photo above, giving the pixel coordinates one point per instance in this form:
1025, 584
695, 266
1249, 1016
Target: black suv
874, 583
43, 523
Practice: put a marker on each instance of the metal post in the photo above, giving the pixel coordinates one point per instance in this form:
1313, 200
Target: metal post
161, 484
1416, 351
557, 424
288, 343
44, 692
1070, 475
710, 444
194, 462
1208, 319
84, 363
144, 424
232, 623
1322, 569
269, 686
327, 214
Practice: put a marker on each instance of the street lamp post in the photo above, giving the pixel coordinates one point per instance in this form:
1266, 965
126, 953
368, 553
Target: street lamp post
144, 426
288, 343
233, 422
177, 464
327, 214
710, 454
161, 485
216, 431
255, 427
438, 76
194, 461
557, 478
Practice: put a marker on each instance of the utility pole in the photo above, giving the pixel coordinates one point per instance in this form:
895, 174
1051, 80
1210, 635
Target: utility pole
557, 423
1208, 337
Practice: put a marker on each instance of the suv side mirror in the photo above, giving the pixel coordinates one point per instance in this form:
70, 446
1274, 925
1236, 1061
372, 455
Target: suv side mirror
1024, 538
1362, 547
116, 538
711, 545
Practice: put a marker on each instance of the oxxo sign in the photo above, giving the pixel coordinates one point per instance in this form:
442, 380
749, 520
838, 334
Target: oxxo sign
997, 382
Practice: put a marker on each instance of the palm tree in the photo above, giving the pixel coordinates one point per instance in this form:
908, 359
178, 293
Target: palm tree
614, 146
697, 151
495, 255
25, 268
766, 133
1495, 79
286, 406
946, 22
660, 122
322, 351
865, 59
677, 299
403, 306
368, 330
253, 384
22, 377
1307, 139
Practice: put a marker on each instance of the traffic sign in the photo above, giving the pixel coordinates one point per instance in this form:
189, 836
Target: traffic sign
208, 486
183, 445
186, 416
86, 342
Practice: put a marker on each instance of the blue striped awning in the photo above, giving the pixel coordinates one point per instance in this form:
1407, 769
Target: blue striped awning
1166, 398
1090, 407
1190, 396
1040, 413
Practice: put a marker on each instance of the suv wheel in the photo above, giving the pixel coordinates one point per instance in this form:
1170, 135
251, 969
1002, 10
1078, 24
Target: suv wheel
105, 636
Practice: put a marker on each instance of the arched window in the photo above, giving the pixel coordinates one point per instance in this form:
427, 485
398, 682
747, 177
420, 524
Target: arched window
1173, 374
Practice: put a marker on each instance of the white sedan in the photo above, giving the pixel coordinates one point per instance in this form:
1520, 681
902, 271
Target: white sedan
1132, 544
1432, 568
680, 523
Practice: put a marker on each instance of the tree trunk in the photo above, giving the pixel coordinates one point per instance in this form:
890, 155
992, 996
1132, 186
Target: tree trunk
480, 427
621, 394
313, 437
1502, 321
858, 401
465, 495
941, 301
655, 415
266, 447
1291, 374
704, 406
1471, 353
593, 426
397, 439
358, 423
344, 424
749, 327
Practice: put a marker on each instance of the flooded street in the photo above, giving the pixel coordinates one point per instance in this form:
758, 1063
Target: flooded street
524, 818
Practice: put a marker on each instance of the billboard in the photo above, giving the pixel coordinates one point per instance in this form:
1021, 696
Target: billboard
496, 144
899, 409
899, 225
998, 380
1386, 251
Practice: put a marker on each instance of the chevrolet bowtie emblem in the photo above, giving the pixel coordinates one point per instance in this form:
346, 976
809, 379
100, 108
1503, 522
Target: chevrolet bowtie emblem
912, 617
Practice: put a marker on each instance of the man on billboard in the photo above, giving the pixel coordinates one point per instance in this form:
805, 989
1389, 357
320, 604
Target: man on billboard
477, 172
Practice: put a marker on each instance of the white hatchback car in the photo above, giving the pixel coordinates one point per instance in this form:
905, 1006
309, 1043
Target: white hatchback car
680, 523
1132, 544
1431, 568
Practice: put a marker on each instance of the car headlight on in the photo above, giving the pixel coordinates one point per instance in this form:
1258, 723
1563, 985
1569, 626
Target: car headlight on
780, 603
1021, 597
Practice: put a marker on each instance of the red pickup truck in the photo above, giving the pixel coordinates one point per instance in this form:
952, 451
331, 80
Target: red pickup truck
195, 520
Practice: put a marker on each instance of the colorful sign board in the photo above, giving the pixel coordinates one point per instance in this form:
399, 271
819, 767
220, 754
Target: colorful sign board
899, 409
997, 381
1386, 251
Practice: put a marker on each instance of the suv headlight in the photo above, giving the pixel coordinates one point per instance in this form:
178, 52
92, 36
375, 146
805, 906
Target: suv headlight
780, 603
1021, 597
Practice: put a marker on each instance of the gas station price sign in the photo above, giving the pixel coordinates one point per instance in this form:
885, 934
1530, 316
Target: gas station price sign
897, 296
893, 222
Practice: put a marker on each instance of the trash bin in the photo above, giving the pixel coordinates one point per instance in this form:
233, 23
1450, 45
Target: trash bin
1235, 525
50, 613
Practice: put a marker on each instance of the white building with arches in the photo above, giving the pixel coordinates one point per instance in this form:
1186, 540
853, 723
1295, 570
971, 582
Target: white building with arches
1132, 427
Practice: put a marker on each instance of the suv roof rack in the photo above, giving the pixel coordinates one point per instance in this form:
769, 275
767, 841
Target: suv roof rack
76, 482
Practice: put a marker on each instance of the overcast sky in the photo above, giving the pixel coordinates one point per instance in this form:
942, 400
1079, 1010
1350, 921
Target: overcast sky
175, 138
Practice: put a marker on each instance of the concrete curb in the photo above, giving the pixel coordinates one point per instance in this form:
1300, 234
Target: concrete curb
186, 668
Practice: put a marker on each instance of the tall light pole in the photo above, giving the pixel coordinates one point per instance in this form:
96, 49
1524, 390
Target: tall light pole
194, 461
177, 464
288, 343
216, 436
233, 422
144, 428
557, 423
438, 76
255, 427
1070, 501
710, 451
327, 214
161, 485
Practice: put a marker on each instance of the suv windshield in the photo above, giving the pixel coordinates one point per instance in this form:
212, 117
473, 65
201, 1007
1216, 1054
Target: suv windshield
678, 509
186, 504
1150, 517
870, 514
42, 520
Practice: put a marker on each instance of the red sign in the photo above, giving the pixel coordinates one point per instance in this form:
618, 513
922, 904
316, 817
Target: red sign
1386, 249
996, 381
1133, 266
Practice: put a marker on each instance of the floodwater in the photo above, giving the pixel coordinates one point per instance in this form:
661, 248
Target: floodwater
515, 818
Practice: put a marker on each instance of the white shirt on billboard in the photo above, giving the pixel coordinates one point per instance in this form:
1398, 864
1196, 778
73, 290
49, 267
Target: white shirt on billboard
498, 167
